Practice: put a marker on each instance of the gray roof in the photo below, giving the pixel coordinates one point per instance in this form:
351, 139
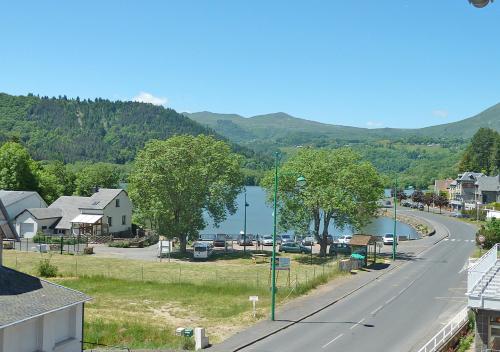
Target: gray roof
470, 176
103, 197
70, 207
11, 197
24, 297
489, 183
45, 213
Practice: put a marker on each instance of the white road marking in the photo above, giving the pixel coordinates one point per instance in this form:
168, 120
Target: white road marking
376, 310
446, 239
335, 339
390, 300
452, 240
358, 323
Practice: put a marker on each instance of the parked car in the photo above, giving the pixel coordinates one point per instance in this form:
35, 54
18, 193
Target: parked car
420, 207
294, 247
340, 248
202, 250
308, 241
287, 239
220, 240
388, 238
344, 239
246, 240
268, 240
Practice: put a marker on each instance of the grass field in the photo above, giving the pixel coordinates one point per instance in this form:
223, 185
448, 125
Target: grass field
139, 304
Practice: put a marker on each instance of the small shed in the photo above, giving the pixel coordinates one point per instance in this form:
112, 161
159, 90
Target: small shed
360, 242
88, 224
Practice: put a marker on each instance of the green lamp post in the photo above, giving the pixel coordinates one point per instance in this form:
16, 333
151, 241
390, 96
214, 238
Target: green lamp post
301, 181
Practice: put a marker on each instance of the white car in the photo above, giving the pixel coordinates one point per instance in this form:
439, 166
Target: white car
344, 239
388, 238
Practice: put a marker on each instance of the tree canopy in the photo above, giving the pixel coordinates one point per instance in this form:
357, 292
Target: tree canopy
340, 187
483, 153
17, 169
175, 181
102, 175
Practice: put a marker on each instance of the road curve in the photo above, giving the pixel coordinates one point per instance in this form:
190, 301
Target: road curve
398, 312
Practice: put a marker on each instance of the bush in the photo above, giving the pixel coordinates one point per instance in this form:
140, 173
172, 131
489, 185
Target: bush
46, 269
491, 233
119, 244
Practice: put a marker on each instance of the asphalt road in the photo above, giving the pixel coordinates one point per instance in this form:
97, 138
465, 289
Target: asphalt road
400, 311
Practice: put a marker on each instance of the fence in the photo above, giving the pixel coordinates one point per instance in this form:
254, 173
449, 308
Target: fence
477, 271
446, 333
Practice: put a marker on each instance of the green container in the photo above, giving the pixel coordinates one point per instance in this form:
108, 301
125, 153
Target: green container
187, 332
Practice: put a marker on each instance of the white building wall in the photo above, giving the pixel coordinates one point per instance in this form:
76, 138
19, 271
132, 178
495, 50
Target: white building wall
59, 331
38, 225
116, 213
493, 214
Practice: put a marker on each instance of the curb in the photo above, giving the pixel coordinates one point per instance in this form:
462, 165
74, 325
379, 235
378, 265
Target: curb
274, 332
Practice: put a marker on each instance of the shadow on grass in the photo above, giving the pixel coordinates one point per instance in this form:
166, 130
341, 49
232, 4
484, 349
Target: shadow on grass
221, 254
315, 259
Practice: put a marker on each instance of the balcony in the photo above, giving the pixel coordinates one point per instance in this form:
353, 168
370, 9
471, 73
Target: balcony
483, 281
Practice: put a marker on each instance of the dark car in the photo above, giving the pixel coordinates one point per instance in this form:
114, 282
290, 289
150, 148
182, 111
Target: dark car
246, 240
340, 248
220, 240
294, 247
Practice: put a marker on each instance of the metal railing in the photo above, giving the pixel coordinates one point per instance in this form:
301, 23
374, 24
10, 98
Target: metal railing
476, 272
447, 332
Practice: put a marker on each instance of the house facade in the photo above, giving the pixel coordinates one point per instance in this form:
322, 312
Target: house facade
107, 211
488, 189
12, 203
36, 315
462, 191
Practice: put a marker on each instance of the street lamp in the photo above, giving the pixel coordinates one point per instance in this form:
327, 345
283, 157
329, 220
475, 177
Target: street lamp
245, 225
301, 182
480, 3
395, 239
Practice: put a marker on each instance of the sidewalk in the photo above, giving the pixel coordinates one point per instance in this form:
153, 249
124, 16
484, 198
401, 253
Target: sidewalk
323, 297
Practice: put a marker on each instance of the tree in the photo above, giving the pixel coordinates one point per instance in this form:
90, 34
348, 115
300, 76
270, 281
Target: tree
55, 180
401, 195
96, 175
481, 155
340, 187
175, 181
491, 233
441, 201
17, 169
417, 196
428, 199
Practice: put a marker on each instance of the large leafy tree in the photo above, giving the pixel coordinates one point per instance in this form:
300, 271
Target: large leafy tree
17, 169
340, 188
55, 180
175, 181
96, 175
482, 153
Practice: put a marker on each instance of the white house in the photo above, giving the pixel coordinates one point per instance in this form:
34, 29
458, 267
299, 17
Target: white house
12, 203
36, 315
106, 211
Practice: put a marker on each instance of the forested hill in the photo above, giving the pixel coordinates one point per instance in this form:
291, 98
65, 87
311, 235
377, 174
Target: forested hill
288, 130
97, 130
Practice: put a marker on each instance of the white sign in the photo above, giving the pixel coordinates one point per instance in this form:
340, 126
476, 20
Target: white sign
253, 299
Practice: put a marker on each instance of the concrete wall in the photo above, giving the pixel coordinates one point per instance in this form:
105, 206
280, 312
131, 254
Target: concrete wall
59, 331
116, 213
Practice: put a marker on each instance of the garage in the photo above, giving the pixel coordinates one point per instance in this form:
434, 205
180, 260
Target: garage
27, 230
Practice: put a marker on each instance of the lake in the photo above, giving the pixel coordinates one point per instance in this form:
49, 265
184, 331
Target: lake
260, 220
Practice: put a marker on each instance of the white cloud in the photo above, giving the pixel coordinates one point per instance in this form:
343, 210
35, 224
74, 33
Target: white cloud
373, 124
440, 113
144, 97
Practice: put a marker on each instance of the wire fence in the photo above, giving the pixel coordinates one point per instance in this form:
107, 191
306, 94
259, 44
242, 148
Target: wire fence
200, 273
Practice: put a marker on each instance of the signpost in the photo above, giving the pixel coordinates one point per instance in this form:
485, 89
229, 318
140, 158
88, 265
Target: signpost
481, 240
253, 299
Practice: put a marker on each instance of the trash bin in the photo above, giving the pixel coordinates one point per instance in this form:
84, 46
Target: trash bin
188, 332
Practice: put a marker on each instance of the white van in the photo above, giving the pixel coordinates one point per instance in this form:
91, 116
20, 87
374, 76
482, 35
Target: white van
202, 250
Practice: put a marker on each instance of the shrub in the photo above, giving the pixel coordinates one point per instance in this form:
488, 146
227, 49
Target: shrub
119, 244
491, 233
46, 269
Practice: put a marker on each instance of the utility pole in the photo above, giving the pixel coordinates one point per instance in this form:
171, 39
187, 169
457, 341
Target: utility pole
245, 225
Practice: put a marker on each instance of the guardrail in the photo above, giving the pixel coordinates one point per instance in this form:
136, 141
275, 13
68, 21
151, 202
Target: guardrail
447, 332
477, 271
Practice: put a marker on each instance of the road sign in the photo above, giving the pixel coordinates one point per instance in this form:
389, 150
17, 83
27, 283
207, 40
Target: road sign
282, 263
481, 239
253, 299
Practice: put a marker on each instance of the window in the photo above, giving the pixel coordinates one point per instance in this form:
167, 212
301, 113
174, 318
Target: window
110, 221
117, 203
124, 220
44, 227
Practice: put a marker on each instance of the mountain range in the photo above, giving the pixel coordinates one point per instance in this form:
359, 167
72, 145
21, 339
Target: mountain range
280, 126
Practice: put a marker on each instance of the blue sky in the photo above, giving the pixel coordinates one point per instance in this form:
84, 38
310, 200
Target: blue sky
402, 63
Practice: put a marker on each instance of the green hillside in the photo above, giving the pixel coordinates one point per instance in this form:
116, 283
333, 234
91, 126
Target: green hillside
95, 130
289, 130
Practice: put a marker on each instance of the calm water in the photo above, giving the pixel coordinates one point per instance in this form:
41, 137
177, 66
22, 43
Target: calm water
260, 219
